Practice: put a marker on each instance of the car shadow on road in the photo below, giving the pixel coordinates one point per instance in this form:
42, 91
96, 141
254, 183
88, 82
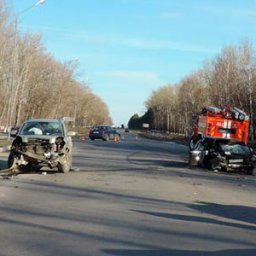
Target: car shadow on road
246, 214
164, 252
136, 146
104, 196
158, 162
234, 212
229, 212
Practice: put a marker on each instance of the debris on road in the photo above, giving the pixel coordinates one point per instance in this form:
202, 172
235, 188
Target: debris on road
75, 169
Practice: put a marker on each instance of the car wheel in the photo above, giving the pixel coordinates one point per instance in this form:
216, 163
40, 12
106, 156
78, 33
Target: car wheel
215, 165
92, 138
65, 164
63, 167
249, 171
12, 161
106, 138
190, 162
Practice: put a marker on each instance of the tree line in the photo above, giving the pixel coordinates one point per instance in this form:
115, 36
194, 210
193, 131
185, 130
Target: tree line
33, 84
229, 79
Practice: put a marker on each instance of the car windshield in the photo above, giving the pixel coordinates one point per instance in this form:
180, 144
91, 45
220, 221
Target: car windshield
236, 149
42, 128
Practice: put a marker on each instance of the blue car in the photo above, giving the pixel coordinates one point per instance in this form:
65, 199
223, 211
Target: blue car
104, 132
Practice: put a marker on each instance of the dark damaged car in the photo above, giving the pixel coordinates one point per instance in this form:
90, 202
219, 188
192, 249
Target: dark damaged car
42, 142
221, 154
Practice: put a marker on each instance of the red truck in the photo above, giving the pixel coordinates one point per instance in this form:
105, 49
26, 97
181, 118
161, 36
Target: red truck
220, 138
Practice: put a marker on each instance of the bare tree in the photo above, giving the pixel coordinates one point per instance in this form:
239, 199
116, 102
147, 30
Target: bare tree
34, 84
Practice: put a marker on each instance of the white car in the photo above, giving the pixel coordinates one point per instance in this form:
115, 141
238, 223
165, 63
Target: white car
42, 142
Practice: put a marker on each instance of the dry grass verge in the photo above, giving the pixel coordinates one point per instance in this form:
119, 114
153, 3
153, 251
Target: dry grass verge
181, 139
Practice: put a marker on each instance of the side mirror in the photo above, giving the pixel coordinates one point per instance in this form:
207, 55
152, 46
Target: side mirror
14, 132
71, 133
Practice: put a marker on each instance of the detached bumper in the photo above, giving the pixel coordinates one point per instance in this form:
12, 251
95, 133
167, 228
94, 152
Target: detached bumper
49, 158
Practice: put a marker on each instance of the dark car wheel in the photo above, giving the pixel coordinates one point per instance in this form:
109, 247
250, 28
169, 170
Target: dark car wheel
215, 164
12, 160
106, 138
249, 171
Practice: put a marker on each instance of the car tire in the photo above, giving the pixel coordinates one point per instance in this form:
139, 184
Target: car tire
106, 138
249, 171
66, 164
63, 167
12, 160
215, 166
190, 162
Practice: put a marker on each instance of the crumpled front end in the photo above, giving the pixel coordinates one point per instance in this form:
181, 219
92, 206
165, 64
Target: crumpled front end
38, 150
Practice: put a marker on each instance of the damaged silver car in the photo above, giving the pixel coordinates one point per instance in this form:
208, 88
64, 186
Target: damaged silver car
42, 142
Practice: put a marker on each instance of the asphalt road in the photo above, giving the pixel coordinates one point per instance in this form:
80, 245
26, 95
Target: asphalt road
132, 198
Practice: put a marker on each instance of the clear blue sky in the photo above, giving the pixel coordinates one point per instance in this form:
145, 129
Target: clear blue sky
128, 48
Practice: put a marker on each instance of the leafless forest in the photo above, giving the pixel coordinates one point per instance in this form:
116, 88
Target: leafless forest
34, 84
227, 80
